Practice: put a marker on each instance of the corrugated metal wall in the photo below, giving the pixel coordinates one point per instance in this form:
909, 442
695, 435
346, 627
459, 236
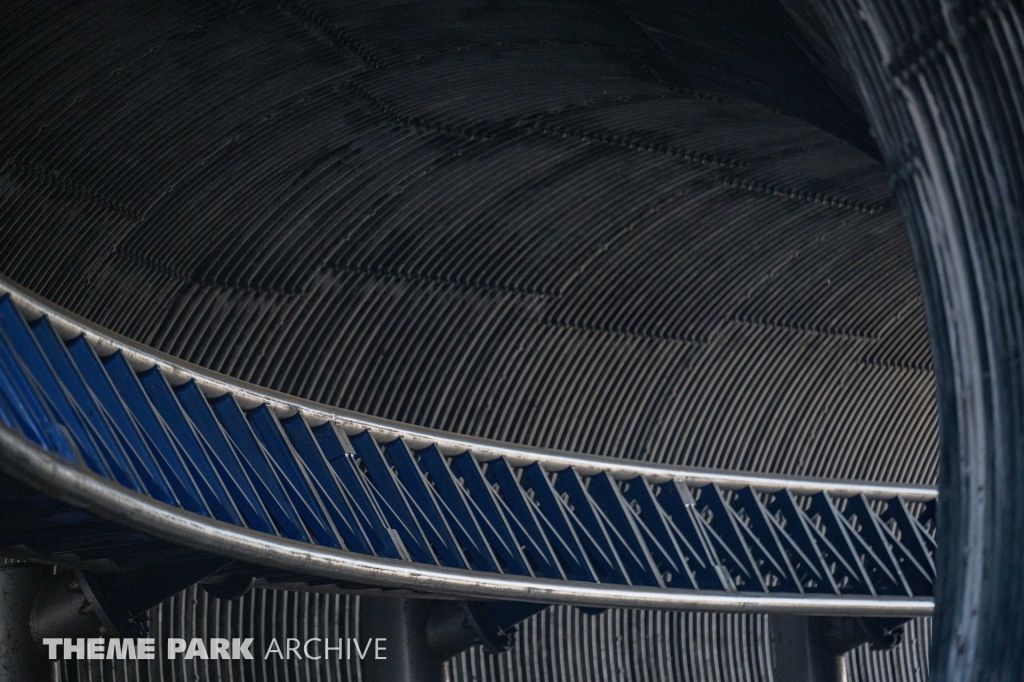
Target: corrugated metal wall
261, 614
619, 644
505, 220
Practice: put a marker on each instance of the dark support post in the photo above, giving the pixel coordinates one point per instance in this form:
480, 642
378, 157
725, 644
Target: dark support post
800, 653
403, 623
810, 649
85, 604
21, 659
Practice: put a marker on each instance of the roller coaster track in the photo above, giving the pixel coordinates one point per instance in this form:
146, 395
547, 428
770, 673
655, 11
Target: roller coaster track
116, 457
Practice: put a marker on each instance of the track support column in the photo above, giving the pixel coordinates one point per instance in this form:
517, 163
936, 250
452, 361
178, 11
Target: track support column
403, 623
800, 652
810, 649
21, 659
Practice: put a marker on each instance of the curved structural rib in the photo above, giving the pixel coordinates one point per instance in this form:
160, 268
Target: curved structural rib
943, 85
302, 492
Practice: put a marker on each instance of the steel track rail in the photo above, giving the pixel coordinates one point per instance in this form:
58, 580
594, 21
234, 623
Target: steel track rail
895, 582
33, 466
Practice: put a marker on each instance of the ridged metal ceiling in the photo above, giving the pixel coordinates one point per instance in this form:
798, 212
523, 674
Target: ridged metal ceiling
527, 222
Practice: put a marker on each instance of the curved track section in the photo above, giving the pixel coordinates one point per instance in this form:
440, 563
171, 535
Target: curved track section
276, 191
193, 458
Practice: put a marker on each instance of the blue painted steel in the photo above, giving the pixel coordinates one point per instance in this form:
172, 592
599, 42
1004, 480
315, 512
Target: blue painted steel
460, 512
913, 537
565, 532
192, 450
836, 547
260, 470
392, 499
152, 427
225, 456
485, 504
663, 544
424, 504
524, 517
326, 483
18, 340
358, 488
763, 540
122, 422
591, 533
317, 484
691, 529
25, 410
92, 414
627, 531
293, 477
808, 560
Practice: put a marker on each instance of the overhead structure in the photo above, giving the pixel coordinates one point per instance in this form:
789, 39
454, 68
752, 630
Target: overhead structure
661, 234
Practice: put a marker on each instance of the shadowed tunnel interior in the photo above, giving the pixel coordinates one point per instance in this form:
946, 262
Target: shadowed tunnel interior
625, 229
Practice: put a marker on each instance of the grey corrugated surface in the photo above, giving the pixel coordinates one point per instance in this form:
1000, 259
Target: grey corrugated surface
909, 661
622, 645
516, 222
264, 615
644, 646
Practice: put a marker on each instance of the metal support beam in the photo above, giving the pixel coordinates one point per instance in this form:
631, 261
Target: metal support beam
403, 624
811, 649
21, 659
800, 652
